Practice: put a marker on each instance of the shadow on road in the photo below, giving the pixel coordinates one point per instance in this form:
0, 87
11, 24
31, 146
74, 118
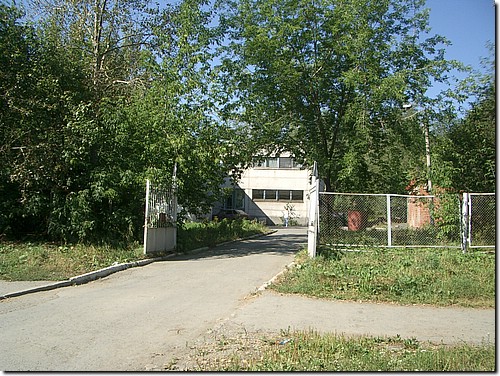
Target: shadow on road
281, 242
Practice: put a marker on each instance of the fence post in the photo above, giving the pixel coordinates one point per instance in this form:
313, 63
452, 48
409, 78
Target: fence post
312, 226
146, 217
465, 227
389, 222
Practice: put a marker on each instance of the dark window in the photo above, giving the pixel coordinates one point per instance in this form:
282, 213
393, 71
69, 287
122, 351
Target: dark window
264, 194
297, 195
286, 162
275, 162
284, 196
272, 162
257, 194
270, 194
277, 195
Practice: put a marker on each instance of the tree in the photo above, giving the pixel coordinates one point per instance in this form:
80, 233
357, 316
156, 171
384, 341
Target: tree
327, 80
177, 114
91, 114
466, 152
41, 89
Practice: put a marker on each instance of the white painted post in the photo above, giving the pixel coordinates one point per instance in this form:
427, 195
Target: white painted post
175, 203
465, 222
146, 217
389, 222
312, 229
469, 220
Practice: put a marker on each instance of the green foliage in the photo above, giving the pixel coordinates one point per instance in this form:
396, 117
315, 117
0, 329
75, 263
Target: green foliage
326, 80
192, 235
86, 118
467, 151
407, 276
447, 217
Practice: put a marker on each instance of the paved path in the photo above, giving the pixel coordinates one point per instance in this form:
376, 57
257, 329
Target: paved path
425, 323
138, 318
142, 318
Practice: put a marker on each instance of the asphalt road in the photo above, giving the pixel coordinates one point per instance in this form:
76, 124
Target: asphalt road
142, 318
138, 318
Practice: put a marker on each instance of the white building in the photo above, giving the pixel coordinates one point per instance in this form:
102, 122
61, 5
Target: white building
266, 190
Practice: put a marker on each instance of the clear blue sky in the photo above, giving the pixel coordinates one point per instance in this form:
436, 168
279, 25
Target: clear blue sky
468, 24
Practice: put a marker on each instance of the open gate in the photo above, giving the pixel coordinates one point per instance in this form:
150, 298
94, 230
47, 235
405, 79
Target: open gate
160, 229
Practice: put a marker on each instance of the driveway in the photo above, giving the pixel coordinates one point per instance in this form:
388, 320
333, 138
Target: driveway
146, 317
139, 318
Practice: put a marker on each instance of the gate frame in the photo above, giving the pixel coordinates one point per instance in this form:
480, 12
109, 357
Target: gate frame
313, 220
467, 221
161, 238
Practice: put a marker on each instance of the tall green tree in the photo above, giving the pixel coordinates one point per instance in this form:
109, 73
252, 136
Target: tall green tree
41, 91
177, 112
327, 80
466, 149
99, 96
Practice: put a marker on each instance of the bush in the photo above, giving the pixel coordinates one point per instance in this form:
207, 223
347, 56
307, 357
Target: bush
192, 235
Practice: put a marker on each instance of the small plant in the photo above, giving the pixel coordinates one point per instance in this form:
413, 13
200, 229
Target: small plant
289, 209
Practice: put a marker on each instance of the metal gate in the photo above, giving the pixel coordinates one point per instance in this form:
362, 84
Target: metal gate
160, 231
479, 220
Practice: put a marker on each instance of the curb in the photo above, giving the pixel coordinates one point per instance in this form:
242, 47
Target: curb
97, 274
266, 285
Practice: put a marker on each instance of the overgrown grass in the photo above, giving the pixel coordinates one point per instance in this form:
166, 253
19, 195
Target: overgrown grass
440, 277
310, 351
35, 261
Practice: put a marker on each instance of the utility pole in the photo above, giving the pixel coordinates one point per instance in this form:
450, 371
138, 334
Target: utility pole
425, 126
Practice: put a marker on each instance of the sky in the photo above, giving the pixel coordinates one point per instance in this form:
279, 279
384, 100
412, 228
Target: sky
468, 24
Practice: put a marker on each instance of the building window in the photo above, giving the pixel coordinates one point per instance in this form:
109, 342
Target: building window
264, 194
271, 162
284, 195
297, 195
285, 162
276, 162
257, 194
277, 195
236, 200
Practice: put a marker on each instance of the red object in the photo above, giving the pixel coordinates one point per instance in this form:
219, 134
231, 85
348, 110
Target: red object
356, 220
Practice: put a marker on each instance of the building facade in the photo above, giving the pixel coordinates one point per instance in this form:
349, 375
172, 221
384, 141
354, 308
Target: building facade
270, 188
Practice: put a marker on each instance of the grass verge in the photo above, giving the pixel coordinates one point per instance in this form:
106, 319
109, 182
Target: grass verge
310, 351
441, 277
37, 261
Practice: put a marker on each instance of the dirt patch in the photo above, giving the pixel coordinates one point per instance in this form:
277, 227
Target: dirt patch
221, 346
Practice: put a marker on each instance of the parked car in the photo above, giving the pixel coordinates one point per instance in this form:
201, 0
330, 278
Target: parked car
231, 214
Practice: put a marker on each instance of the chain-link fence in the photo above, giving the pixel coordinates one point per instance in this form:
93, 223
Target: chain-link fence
480, 213
389, 220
